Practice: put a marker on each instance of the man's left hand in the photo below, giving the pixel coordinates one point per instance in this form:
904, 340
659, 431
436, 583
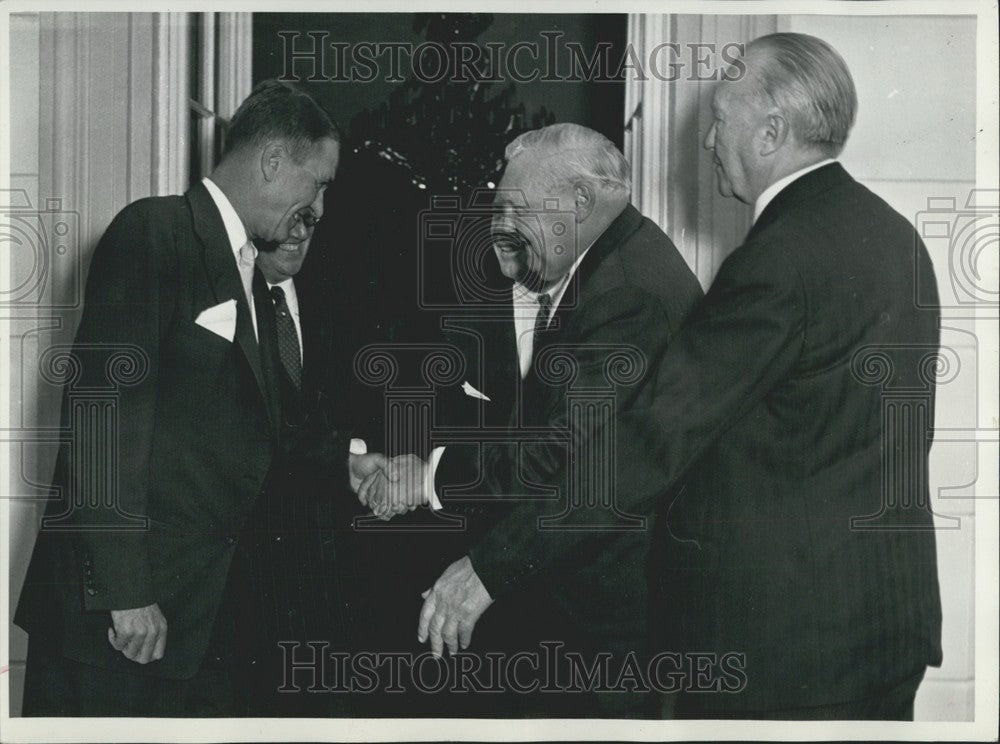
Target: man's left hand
452, 607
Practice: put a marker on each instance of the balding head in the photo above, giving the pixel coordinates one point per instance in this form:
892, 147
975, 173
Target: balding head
793, 107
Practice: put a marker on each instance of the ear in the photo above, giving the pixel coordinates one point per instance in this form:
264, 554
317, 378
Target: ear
583, 200
271, 159
774, 133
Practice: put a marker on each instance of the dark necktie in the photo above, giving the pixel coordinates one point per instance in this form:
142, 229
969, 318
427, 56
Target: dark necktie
288, 339
541, 320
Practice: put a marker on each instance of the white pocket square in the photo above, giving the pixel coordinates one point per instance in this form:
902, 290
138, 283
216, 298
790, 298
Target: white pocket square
220, 320
472, 392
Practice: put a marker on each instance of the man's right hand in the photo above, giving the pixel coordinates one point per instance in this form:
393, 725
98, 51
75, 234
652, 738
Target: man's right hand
140, 634
362, 467
402, 488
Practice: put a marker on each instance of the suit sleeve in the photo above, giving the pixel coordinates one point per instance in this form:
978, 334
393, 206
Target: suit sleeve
744, 336
123, 314
323, 454
318, 450
623, 323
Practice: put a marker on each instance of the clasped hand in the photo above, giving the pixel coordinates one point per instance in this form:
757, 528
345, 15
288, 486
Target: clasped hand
139, 633
389, 486
453, 606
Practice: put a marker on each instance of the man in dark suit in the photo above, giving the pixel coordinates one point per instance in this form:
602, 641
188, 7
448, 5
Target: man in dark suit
297, 533
123, 556
796, 403
596, 286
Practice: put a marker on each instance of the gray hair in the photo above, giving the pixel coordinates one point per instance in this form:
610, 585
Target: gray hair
580, 153
810, 82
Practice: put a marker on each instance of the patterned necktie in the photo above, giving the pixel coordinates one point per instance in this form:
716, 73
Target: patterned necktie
245, 265
288, 339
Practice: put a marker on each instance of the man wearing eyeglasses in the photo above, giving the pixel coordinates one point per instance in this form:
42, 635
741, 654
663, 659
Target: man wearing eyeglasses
295, 593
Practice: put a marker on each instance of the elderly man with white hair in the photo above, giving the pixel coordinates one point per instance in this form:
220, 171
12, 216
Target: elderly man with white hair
796, 404
595, 284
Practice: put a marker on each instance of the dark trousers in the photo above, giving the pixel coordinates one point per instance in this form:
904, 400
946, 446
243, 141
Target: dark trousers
295, 599
57, 686
894, 703
520, 669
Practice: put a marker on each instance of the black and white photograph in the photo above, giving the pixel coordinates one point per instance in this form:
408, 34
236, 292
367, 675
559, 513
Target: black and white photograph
554, 371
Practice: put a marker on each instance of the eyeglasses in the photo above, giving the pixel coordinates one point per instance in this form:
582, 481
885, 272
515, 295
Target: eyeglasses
308, 218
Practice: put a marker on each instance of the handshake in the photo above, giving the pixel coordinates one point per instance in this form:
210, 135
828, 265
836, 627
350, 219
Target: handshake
390, 486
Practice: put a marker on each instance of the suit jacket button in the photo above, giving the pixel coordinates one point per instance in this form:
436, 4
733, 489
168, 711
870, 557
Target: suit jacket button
230, 539
91, 591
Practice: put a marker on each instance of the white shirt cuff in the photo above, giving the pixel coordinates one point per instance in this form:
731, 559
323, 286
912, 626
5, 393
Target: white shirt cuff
429, 473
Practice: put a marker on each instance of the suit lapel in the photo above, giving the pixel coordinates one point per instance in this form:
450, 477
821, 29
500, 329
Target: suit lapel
617, 233
502, 374
507, 342
224, 278
269, 357
312, 342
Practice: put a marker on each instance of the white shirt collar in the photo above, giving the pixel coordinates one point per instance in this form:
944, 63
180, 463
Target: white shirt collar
775, 188
235, 230
526, 309
525, 296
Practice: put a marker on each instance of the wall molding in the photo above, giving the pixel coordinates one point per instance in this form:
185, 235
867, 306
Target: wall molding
673, 180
